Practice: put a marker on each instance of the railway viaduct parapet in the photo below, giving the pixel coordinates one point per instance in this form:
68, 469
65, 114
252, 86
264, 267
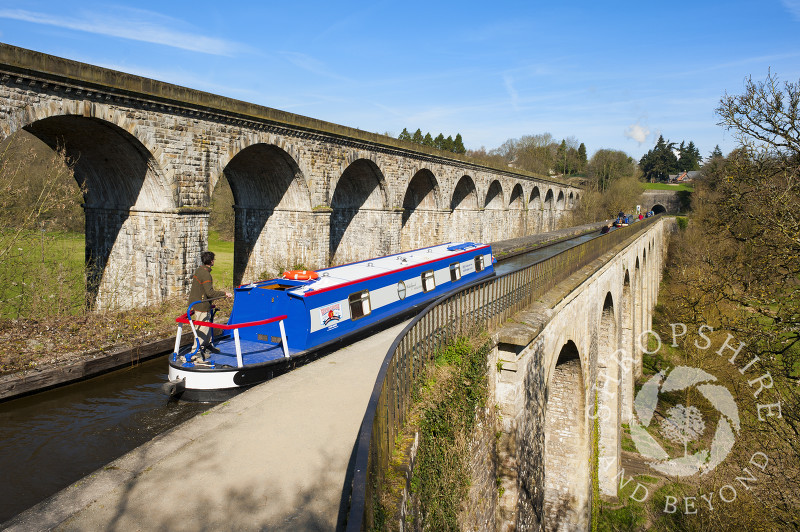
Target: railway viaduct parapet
306, 191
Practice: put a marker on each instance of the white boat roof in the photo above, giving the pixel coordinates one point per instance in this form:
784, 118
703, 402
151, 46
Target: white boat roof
347, 273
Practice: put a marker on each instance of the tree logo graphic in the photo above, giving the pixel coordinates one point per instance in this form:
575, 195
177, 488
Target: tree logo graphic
684, 424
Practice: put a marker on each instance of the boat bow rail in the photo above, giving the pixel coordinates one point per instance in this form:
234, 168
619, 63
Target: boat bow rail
183, 320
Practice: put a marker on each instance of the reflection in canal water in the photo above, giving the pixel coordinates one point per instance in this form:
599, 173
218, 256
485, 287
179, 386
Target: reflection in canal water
52, 439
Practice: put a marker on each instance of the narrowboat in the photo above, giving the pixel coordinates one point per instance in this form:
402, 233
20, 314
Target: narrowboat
276, 321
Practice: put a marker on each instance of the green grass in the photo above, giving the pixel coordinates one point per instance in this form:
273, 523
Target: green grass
665, 186
223, 265
42, 274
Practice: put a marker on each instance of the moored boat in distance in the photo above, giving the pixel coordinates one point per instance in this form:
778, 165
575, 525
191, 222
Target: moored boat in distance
275, 321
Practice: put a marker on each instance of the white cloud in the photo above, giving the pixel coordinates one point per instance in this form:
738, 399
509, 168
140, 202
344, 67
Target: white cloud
637, 132
508, 81
133, 24
793, 6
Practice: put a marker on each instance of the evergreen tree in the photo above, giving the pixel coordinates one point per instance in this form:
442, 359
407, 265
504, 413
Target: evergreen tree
582, 160
417, 137
404, 135
438, 142
717, 152
447, 144
561, 157
659, 162
458, 144
428, 140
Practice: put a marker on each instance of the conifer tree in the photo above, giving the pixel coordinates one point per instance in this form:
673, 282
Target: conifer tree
458, 144
428, 140
417, 136
404, 135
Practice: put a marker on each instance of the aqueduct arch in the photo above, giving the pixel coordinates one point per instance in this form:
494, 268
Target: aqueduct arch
420, 202
129, 206
270, 197
359, 214
567, 485
464, 208
608, 398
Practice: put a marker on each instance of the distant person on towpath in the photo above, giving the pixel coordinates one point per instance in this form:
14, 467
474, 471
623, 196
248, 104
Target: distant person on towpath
203, 290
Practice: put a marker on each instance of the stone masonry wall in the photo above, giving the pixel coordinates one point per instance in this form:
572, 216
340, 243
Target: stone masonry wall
168, 146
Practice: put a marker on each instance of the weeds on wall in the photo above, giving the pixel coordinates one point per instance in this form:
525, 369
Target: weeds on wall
447, 399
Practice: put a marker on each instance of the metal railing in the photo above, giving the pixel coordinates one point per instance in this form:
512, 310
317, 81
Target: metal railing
480, 306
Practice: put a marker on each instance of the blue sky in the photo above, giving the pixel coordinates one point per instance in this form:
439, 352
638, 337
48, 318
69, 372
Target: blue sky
611, 74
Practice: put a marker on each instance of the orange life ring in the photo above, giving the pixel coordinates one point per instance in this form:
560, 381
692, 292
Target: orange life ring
300, 275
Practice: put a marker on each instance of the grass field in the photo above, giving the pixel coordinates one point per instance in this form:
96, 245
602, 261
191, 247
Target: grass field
223, 265
666, 186
43, 274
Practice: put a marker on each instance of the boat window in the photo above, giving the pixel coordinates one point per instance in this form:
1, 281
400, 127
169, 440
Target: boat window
479, 263
455, 271
401, 290
359, 304
428, 283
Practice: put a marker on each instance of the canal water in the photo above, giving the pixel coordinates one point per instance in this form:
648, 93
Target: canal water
519, 261
52, 439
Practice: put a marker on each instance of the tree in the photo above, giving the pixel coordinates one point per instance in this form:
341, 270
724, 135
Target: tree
582, 160
447, 144
736, 268
404, 135
609, 165
658, 163
561, 158
428, 140
417, 137
438, 142
683, 425
458, 144
690, 157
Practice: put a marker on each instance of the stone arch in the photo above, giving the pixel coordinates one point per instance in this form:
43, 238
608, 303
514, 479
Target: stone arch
493, 219
571, 200
515, 201
560, 201
535, 211
31, 114
290, 152
128, 246
272, 204
464, 211
359, 216
567, 484
637, 319
494, 196
548, 216
627, 354
420, 207
516, 220
608, 399
658, 209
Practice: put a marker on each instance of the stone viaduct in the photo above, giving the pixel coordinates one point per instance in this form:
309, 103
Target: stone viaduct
149, 155
570, 359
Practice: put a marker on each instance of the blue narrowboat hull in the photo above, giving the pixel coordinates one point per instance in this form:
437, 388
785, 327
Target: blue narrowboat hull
340, 304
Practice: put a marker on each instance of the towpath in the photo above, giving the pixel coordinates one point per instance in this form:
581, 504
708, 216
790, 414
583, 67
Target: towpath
275, 457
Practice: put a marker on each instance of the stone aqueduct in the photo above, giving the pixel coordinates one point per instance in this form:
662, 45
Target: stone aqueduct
305, 191
572, 358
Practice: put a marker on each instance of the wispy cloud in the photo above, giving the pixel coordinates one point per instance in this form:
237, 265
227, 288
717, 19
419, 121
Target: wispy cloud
132, 24
637, 132
793, 6
508, 81
310, 64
